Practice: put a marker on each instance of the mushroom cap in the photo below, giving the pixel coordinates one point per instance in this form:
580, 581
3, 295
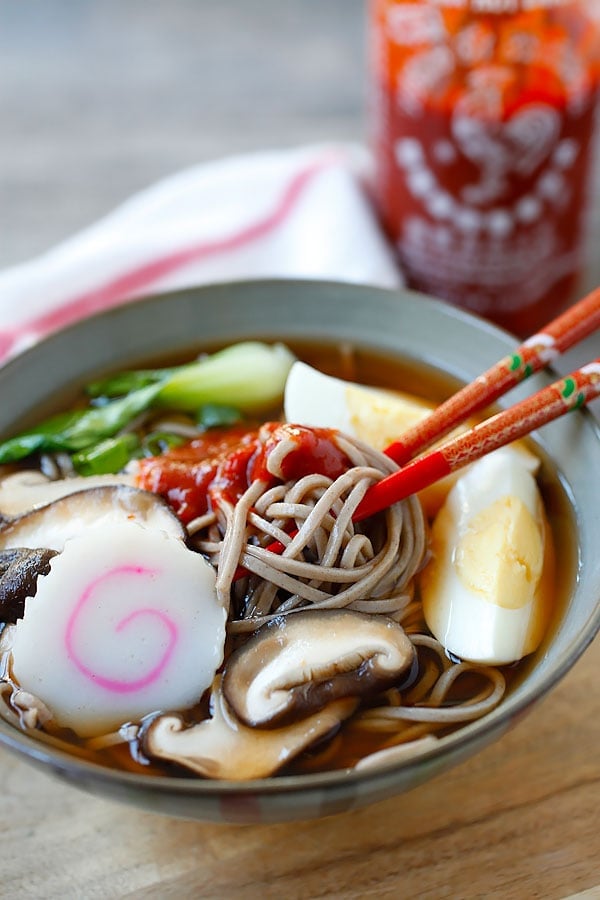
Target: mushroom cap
50, 526
23, 491
222, 747
299, 663
19, 571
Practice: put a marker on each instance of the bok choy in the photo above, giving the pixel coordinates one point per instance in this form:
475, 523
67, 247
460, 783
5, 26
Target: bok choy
248, 377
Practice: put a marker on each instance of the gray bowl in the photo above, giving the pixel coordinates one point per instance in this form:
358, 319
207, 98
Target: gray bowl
402, 323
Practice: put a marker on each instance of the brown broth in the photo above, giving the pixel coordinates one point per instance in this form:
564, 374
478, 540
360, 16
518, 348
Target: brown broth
350, 743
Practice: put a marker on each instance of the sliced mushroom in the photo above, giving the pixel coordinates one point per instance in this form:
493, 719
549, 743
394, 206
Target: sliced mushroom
297, 664
51, 525
19, 572
27, 490
221, 747
7, 633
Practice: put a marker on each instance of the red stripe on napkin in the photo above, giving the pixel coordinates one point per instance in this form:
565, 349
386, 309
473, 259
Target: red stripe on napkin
141, 278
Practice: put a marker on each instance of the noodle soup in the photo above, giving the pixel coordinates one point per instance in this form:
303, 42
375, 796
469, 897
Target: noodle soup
319, 658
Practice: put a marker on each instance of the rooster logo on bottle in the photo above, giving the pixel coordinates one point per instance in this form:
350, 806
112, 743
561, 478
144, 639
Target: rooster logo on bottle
487, 159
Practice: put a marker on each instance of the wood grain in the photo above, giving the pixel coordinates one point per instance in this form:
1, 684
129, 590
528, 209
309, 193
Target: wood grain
519, 820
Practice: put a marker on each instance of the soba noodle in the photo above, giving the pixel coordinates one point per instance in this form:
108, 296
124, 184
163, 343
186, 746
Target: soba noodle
328, 562
332, 563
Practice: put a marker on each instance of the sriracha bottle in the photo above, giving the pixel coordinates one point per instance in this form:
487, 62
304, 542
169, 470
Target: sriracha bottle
484, 118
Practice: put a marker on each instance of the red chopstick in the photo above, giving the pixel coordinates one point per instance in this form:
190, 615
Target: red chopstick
578, 322
577, 389
569, 393
553, 401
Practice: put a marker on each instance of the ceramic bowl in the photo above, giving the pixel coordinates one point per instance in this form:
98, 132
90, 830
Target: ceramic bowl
402, 323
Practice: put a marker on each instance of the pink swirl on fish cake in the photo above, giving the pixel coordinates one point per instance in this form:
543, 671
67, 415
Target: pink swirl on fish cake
120, 686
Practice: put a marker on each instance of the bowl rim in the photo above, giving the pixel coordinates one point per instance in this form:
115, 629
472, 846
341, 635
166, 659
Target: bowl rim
473, 733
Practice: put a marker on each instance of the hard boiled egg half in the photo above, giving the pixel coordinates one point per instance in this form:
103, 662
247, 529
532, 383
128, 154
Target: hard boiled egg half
373, 415
487, 591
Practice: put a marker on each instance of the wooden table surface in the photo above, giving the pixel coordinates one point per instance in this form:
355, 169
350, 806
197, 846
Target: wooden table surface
99, 99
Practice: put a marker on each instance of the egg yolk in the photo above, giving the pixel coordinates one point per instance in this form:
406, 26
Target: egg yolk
379, 418
501, 554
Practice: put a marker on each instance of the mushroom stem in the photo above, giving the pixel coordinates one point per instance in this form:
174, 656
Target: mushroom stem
224, 748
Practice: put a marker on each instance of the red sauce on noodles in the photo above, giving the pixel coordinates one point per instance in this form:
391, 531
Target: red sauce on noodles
221, 464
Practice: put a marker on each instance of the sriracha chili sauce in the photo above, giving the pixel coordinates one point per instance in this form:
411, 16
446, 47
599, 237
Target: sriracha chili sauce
222, 463
484, 115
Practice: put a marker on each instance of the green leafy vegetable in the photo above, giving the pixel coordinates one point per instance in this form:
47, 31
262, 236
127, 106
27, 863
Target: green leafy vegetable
216, 415
249, 376
78, 429
107, 457
125, 382
47, 436
158, 442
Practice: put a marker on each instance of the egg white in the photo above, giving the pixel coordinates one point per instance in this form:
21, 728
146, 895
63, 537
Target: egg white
468, 604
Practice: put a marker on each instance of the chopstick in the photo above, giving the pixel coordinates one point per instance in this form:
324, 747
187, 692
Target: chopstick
571, 392
555, 338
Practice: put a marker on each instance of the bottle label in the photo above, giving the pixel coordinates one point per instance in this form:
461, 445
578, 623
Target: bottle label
482, 166
496, 205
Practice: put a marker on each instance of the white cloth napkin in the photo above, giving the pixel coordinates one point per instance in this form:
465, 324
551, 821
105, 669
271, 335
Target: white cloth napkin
300, 213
